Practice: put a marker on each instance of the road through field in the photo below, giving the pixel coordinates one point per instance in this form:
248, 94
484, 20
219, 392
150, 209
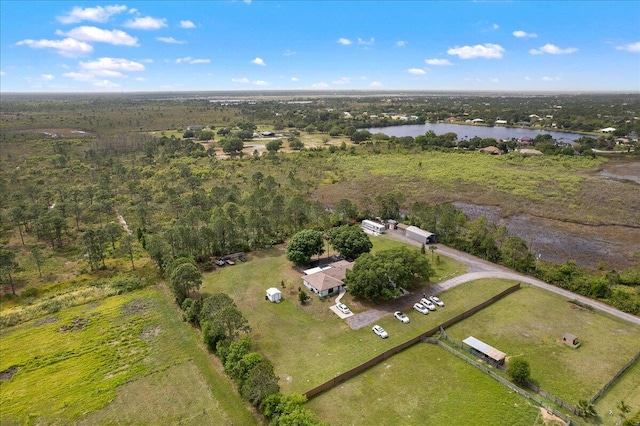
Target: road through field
478, 269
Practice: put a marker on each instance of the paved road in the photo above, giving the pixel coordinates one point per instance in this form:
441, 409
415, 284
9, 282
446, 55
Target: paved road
478, 269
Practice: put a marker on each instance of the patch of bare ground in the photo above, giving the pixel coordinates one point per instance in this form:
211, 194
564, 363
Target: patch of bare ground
549, 418
8, 373
136, 306
150, 333
78, 323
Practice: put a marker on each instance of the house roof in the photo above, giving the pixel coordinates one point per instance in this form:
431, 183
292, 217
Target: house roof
329, 278
271, 291
491, 150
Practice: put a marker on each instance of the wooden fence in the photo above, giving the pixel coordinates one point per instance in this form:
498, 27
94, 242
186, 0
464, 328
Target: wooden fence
612, 381
383, 356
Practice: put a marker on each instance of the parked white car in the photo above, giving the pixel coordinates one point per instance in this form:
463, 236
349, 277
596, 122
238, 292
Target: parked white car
380, 331
402, 317
343, 308
428, 304
437, 301
421, 308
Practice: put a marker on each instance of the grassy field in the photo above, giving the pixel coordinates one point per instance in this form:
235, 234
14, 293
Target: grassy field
424, 385
309, 344
531, 322
73, 363
627, 389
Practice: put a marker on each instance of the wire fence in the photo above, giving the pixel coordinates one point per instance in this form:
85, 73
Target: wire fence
482, 367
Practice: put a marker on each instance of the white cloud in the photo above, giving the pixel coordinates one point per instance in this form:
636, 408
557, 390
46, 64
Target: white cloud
2, 73
105, 84
321, 85
260, 83
104, 65
495, 26
146, 61
343, 80
170, 40
438, 62
187, 24
487, 50
495, 80
146, 23
289, 53
98, 35
140, 79
547, 78
258, 61
192, 61
631, 47
344, 41
240, 80
401, 43
294, 79
416, 71
67, 47
375, 84
527, 78
47, 77
552, 49
93, 14
524, 34
369, 42
80, 76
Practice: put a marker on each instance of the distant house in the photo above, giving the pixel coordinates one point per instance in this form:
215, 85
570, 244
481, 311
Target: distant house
493, 150
525, 140
267, 133
195, 127
477, 120
328, 280
501, 121
608, 130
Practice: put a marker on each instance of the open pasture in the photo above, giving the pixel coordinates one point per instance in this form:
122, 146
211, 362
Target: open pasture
424, 385
530, 324
71, 364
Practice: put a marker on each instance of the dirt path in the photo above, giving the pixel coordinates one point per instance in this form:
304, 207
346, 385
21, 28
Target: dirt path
478, 269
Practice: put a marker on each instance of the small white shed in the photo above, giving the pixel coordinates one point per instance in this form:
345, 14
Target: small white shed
273, 294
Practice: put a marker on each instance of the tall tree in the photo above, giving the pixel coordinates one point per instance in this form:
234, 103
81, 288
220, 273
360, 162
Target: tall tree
184, 278
38, 257
304, 245
8, 265
126, 248
350, 241
94, 241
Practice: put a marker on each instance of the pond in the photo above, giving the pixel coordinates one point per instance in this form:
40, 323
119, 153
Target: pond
468, 131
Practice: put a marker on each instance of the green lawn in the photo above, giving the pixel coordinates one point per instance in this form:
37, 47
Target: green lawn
531, 322
309, 344
424, 385
74, 362
627, 389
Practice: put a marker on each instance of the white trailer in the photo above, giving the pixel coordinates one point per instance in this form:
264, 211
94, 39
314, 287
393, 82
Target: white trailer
374, 227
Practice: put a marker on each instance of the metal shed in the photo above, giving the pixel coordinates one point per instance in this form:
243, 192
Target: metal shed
419, 235
488, 351
274, 295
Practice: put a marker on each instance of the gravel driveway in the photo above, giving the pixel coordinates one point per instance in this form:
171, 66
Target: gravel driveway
478, 269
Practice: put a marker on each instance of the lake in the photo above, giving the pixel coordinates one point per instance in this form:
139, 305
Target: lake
467, 132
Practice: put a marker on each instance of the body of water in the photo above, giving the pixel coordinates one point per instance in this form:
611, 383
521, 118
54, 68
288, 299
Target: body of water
467, 131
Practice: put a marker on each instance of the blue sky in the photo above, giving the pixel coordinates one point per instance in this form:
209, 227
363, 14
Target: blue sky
66, 46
